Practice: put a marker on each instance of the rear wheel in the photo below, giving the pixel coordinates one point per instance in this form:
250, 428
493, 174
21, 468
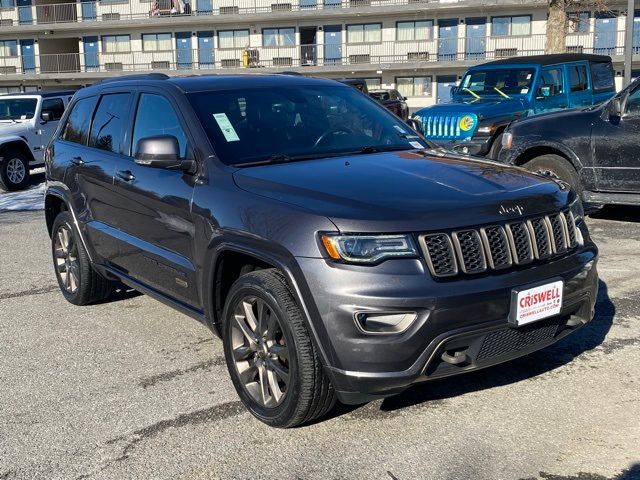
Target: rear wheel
14, 170
557, 166
272, 361
79, 282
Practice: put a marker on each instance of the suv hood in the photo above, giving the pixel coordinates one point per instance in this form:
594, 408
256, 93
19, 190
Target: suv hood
404, 191
483, 107
10, 128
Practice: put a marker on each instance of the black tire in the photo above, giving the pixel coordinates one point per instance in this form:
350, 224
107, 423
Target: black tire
90, 286
309, 394
496, 147
14, 170
558, 166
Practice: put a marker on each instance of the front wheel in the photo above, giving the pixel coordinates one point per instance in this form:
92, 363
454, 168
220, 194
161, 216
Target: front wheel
557, 166
271, 358
14, 171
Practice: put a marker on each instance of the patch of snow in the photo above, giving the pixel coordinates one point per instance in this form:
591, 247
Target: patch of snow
30, 199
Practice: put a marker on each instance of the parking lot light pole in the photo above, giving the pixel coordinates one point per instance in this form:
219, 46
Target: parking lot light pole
628, 43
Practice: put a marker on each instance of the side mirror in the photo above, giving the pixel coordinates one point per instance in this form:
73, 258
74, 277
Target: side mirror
415, 124
404, 99
45, 117
162, 151
615, 110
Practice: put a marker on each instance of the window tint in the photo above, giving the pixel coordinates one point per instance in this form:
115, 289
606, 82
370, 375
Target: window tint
552, 78
54, 106
106, 131
602, 77
76, 129
155, 116
632, 107
578, 78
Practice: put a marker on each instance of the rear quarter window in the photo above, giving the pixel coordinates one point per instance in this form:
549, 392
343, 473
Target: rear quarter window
602, 77
76, 130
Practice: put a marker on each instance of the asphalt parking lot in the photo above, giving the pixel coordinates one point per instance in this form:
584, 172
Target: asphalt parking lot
132, 389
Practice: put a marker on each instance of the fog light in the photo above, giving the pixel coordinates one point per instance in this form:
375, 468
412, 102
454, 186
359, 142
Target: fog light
384, 322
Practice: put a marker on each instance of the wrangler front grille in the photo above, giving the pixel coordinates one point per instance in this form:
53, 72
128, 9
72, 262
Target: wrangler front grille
498, 247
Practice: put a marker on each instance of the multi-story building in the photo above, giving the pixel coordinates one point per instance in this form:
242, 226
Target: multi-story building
420, 47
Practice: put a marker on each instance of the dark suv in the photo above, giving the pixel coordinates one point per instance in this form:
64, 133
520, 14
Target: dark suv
334, 252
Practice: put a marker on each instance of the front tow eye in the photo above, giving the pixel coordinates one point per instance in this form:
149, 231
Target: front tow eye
455, 357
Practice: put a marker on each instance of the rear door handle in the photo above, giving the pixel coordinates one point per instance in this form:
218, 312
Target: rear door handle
125, 175
77, 161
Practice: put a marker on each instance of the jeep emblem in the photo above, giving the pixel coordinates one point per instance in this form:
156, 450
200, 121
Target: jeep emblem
511, 210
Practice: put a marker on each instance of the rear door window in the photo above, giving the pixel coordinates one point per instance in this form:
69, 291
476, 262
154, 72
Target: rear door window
76, 129
602, 77
578, 80
108, 121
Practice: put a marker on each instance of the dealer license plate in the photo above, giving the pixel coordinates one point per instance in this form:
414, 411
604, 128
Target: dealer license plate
536, 303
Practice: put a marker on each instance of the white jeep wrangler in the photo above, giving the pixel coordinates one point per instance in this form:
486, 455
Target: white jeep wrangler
27, 123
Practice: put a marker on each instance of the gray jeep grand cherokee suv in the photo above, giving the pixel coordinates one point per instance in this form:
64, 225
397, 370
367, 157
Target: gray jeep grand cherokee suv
334, 251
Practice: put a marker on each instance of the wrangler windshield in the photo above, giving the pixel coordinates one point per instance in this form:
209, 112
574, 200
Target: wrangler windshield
17, 108
298, 122
497, 82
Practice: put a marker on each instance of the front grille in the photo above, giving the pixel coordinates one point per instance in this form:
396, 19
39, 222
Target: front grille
497, 247
511, 340
442, 127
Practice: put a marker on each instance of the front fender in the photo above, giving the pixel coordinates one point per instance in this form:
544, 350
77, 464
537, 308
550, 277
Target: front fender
15, 140
518, 152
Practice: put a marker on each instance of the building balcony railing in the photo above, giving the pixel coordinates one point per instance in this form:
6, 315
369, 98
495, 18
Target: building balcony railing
114, 10
382, 55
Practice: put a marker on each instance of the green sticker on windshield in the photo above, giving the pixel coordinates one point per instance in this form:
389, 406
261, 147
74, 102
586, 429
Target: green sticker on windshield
225, 126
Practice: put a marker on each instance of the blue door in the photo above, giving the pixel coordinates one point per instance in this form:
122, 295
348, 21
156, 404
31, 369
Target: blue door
183, 49
205, 50
332, 3
308, 4
443, 87
91, 63
25, 16
88, 11
448, 40
476, 41
28, 54
333, 44
636, 33
606, 34
205, 7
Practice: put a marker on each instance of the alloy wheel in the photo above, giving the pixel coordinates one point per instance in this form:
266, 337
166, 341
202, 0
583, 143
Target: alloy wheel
260, 352
15, 171
66, 258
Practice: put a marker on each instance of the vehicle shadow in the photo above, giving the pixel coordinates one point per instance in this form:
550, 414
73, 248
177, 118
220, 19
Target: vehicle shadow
585, 339
121, 292
622, 213
36, 179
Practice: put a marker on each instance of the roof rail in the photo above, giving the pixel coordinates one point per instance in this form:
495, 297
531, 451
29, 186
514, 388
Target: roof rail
141, 76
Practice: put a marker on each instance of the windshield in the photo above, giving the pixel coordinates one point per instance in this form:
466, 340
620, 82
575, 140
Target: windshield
504, 82
17, 108
258, 124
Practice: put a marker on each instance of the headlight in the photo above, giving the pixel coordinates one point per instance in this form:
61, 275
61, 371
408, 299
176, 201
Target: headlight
577, 210
368, 249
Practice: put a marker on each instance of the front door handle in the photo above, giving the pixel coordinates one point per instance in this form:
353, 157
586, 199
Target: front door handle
77, 161
125, 175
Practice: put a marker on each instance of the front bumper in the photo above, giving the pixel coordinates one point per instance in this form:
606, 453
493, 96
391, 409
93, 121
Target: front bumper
478, 146
467, 314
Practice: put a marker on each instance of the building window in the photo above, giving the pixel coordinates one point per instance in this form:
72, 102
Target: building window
233, 39
374, 83
414, 86
116, 43
156, 42
8, 90
8, 48
278, 37
367, 33
507, 26
421, 30
578, 22
7, 4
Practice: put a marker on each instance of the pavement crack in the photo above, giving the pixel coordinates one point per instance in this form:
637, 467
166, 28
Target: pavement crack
212, 414
167, 376
27, 293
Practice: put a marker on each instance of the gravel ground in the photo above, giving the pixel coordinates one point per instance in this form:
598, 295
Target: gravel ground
131, 389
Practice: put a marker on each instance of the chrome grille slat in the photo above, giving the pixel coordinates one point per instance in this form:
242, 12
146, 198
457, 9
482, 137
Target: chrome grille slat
497, 247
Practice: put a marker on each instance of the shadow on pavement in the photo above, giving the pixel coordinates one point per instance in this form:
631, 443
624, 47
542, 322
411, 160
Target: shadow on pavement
121, 292
524, 368
622, 213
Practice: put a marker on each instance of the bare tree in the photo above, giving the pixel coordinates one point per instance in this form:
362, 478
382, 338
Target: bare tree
559, 20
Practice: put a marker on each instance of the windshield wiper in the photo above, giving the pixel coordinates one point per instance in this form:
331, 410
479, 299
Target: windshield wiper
468, 90
502, 93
